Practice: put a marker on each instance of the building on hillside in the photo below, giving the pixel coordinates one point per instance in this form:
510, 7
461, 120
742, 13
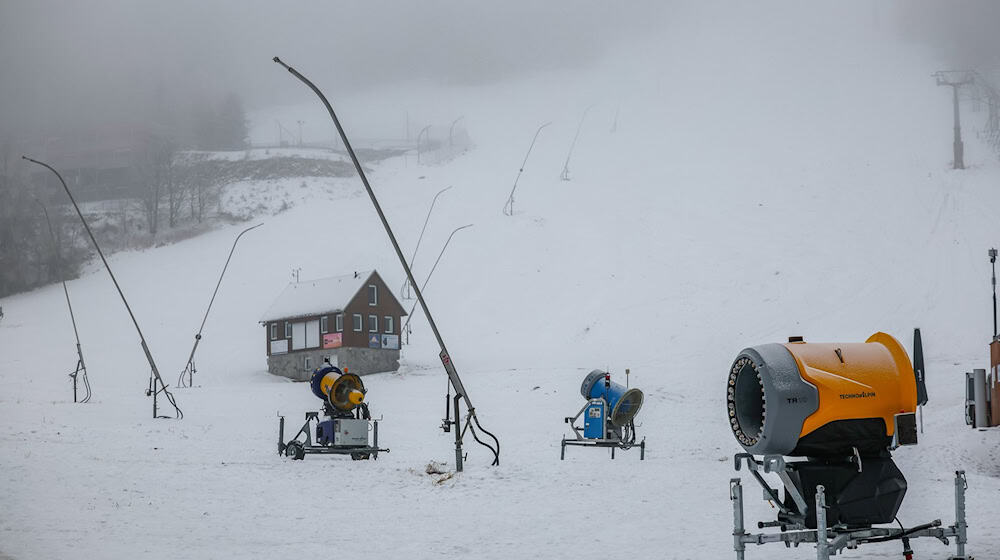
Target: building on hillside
354, 320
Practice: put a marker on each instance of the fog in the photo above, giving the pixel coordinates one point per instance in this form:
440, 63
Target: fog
71, 65
71, 62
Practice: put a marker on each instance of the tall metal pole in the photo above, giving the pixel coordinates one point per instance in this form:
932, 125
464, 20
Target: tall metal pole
508, 207
189, 369
431, 273
419, 134
404, 292
958, 146
565, 172
156, 382
81, 366
446, 360
451, 131
993, 262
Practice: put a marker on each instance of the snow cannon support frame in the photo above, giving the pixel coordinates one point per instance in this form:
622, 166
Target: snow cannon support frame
830, 540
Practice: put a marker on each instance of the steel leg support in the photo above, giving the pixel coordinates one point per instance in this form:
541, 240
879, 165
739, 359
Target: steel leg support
736, 496
458, 435
960, 524
281, 435
822, 543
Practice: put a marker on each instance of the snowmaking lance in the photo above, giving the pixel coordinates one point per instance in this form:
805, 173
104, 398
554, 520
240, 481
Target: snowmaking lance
346, 419
471, 423
80, 372
608, 416
189, 368
843, 408
156, 384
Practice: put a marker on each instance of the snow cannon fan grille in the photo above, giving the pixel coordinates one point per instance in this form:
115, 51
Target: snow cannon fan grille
337, 388
626, 409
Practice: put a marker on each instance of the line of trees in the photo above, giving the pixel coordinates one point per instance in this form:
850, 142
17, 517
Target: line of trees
168, 181
172, 186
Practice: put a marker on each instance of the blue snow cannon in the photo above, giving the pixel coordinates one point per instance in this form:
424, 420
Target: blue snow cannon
608, 416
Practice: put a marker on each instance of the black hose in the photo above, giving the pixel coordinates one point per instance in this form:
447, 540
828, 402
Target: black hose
496, 451
86, 385
905, 532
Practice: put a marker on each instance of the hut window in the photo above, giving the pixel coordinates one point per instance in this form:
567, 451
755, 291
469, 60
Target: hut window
373, 323
307, 363
339, 320
288, 329
372, 294
324, 324
387, 321
274, 331
357, 322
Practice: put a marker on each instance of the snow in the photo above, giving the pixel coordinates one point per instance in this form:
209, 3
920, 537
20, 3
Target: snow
315, 297
707, 222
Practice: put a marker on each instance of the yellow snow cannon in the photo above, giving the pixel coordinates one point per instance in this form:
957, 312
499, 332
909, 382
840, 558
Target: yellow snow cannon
345, 424
344, 391
820, 400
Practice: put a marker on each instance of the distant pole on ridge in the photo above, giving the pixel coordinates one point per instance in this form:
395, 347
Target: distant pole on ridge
955, 79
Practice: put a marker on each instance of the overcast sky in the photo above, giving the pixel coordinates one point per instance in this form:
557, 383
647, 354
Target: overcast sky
105, 55
72, 61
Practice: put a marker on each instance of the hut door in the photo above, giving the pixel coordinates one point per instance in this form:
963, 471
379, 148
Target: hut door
312, 334
298, 336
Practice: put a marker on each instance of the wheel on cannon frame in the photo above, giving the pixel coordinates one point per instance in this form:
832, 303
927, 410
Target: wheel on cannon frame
360, 456
295, 450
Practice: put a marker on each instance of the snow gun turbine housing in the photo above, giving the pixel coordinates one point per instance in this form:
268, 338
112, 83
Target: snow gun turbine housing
822, 400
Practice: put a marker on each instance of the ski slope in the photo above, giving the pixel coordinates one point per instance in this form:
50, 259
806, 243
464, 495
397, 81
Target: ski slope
745, 195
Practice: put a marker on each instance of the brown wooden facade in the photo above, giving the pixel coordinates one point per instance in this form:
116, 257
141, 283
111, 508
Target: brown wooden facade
384, 317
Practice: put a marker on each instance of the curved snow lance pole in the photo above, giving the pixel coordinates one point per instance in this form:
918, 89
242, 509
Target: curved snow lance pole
508, 207
565, 172
403, 292
81, 367
156, 384
189, 369
472, 421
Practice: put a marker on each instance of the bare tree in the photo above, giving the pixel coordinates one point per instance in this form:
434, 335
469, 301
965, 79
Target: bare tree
155, 168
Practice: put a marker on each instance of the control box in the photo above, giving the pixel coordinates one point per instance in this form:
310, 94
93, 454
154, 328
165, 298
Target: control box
343, 432
595, 419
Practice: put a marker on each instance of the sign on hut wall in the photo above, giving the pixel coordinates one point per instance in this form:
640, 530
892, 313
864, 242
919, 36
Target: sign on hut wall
333, 340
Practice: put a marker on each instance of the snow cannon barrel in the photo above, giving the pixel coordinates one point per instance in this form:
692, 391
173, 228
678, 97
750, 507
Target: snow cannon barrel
624, 403
344, 391
822, 400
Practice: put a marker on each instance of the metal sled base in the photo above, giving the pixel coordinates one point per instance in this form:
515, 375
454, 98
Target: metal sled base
297, 449
612, 443
616, 442
831, 540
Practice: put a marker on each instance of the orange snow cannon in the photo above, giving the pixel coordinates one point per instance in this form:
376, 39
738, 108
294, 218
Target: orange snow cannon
823, 400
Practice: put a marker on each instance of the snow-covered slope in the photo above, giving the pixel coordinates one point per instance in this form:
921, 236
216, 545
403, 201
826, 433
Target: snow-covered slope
745, 195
